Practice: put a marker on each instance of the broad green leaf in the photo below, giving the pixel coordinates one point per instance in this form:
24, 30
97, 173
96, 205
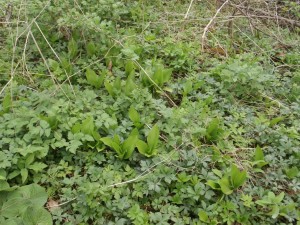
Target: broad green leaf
88, 126
129, 67
72, 48
214, 185
292, 172
238, 177
167, 75
6, 103
130, 144
142, 147
36, 216
217, 172
153, 137
117, 84
91, 48
279, 198
37, 166
225, 186
203, 216
258, 155
29, 159
134, 115
24, 174
275, 211
112, 144
3, 174
4, 185
109, 88
76, 128
93, 79
276, 120
129, 86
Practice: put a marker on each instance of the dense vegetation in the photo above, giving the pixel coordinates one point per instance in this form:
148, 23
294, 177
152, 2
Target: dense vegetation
149, 112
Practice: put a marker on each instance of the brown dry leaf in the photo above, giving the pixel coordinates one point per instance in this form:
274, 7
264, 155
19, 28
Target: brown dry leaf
52, 204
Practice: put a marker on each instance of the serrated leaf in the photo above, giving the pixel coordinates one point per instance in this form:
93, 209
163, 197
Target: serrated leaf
129, 86
129, 67
24, 174
153, 137
36, 216
37, 166
6, 103
88, 126
29, 159
91, 48
109, 88
72, 48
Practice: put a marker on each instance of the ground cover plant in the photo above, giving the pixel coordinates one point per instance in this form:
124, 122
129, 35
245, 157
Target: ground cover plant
149, 112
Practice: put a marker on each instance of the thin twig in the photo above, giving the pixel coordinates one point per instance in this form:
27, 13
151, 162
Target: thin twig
188, 11
209, 24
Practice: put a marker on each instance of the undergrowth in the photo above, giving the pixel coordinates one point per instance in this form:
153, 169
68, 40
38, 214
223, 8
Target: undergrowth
149, 112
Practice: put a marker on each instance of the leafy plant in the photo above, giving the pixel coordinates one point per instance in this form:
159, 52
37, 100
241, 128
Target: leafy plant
150, 148
229, 181
124, 149
24, 205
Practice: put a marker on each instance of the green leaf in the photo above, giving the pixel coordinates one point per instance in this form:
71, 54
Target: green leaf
292, 172
6, 103
153, 137
258, 155
278, 198
37, 166
203, 216
93, 79
129, 67
112, 144
142, 147
72, 48
275, 211
214, 185
109, 88
129, 86
24, 174
134, 115
36, 216
91, 48
225, 186
88, 126
238, 177
130, 144
29, 159
276, 120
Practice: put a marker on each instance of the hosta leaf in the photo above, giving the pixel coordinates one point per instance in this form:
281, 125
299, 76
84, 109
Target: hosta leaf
91, 48
142, 147
225, 186
134, 115
153, 137
93, 79
112, 144
130, 143
238, 177
214, 185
